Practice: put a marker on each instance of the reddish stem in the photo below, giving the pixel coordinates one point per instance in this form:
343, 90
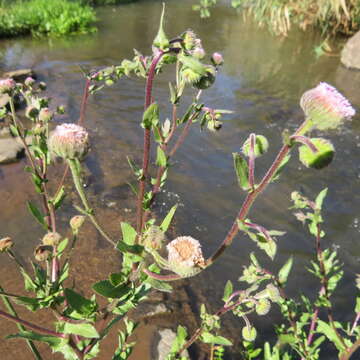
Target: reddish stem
31, 325
146, 155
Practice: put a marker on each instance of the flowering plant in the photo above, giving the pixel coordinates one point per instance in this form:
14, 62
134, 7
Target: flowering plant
81, 323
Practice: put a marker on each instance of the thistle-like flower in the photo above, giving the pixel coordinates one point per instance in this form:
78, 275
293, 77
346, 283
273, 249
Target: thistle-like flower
185, 256
217, 59
69, 141
325, 107
7, 85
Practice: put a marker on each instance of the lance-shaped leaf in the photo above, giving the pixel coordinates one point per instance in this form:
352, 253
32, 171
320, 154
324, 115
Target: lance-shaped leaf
151, 116
242, 171
284, 271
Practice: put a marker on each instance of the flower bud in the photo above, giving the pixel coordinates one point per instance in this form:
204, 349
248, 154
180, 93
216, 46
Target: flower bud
76, 222
52, 239
31, 112
325, 107
206, 80
198, 53
263, 307
189, 40
29, 81
45, 115
43, 252
42, 85
69, 141
249, 333
7, 85
217, 59
261, 146
6, 243
154, 238
274, 293
185, 257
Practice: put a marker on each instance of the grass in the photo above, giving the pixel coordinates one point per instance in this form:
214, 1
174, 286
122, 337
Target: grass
45, 17
106, 2
332, 17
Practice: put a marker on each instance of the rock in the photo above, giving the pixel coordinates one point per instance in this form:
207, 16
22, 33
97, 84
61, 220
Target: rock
350, 55
163, 347
4, 100
11, 150
147, 310
19, 75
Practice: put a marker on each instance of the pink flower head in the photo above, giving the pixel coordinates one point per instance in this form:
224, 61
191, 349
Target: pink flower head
29, 81
7, 85
69, 141
198, 52
326, 107
217, 59
184, 254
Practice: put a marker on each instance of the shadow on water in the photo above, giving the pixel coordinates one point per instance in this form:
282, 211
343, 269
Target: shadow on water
261, 82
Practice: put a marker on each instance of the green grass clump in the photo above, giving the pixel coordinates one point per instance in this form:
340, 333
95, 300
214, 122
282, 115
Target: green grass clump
45, 17
106, 2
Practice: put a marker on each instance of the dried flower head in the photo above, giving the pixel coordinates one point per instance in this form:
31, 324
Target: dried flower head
325, 107
51, 238
7, 85
43, 252
5, 244
45, 115
185, 255
69, 141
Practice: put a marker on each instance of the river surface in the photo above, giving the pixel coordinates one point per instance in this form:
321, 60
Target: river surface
261, 82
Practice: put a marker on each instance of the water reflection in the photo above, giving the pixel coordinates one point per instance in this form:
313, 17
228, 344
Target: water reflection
261, 82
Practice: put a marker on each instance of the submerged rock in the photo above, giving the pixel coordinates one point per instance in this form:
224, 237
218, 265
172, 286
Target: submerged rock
11, 150
163, 347
350, 55
18, 75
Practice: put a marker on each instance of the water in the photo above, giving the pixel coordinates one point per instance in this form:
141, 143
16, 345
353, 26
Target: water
261, 81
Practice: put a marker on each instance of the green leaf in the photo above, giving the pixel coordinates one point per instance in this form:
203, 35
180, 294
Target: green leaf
208, 338
14, 130
58, 200
261, 146
36, 213
151, 116
134, 250
30, 303
128, 233
117, 278
62, 246
30, 335
320, 198
319, 159
285, 270
107, 289
86, 330
167, 220
280, 168
228, 290
161, 158
159, 285
79, 303
193, 64
28, 281
242, 171
330, 333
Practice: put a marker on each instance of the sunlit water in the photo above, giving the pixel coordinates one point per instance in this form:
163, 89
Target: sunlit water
261, 81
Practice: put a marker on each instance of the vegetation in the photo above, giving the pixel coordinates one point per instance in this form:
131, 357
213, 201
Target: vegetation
82, 322
106, 2
330, 16
43, 17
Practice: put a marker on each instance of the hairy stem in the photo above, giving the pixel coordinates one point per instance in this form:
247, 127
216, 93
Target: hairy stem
146, 154
31, 325
80, 190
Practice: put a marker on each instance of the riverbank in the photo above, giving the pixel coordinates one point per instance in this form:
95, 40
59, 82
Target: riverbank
50, 18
